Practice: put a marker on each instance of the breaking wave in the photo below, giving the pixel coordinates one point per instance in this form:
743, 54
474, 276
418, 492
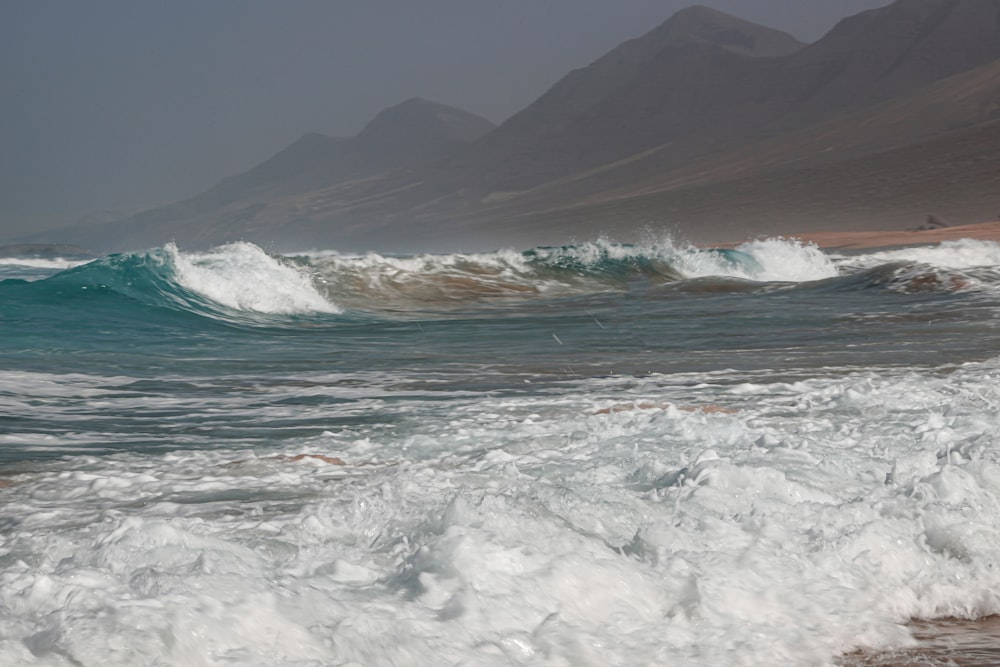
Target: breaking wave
239, 277
240, 281
373, 280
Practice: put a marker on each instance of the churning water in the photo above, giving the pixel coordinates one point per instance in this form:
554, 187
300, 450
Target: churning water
588, 455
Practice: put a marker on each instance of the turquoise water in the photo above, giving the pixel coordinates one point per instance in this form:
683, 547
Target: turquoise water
594, 454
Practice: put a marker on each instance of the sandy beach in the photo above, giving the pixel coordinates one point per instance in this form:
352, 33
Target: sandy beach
986, 231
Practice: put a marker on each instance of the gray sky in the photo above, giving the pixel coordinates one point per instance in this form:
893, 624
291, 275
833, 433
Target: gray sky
118, 103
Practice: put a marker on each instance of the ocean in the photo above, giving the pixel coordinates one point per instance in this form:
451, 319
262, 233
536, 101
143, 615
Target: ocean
597, 454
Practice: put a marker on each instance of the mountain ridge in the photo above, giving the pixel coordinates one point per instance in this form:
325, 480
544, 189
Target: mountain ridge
316, 161
690, 41
701, 106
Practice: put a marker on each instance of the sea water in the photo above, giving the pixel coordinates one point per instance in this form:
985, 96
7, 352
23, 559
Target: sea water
597, 454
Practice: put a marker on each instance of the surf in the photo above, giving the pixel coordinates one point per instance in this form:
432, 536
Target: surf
597, 453
242, 284
238, 283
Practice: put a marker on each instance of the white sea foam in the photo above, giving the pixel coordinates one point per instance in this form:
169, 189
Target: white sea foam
789, 260
961, 254
612, 523
55, 263
401, 282
243, 277
404, 282
775, 259
31, 269
962, 265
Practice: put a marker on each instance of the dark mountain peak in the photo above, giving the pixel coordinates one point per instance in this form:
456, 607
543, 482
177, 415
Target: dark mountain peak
703, 25
963, 26
400, 136
417, 101
660, 127
700, 17
641, 94
700, 26
418, 119
700, 13
907, 44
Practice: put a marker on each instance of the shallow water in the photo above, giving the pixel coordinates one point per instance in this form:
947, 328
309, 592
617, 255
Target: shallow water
588, 455
947, 641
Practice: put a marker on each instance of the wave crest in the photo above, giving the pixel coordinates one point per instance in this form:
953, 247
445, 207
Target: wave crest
373, 280
241, 282
243, 277
228, 282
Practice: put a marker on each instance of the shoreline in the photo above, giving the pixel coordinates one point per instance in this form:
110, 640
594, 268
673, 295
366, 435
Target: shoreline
942, 642
851, 240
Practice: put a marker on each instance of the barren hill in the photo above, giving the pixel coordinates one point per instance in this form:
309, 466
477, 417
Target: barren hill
683, 75
707, 124
259, 202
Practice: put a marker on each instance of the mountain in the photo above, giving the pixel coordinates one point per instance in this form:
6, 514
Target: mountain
885, 52
708, 123
932, 150
416, 130
680, 91
887, 167
683, 75
413, 132
409, 133
717, 127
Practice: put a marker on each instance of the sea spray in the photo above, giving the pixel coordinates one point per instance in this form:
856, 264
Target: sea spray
960, 254
371, 281
243, 277
618, 460
505, 530
789, 261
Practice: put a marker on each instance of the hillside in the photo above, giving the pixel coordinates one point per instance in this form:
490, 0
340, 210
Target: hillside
786, 155
684, 75
888, 118
929, 152
248, 205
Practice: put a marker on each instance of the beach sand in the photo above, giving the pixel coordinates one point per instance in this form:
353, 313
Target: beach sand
947, 641
986, 231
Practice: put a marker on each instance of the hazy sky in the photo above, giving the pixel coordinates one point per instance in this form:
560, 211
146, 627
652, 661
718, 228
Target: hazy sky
113, 103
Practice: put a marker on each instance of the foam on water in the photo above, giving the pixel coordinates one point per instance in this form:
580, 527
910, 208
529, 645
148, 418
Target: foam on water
243, 277
777, 260
55, 263
494, 509
31, 268
374, 280
612, 522
786, 260
960, 254
963, 265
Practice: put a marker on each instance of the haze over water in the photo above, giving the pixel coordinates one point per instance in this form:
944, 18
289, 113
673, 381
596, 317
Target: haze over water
587, 455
